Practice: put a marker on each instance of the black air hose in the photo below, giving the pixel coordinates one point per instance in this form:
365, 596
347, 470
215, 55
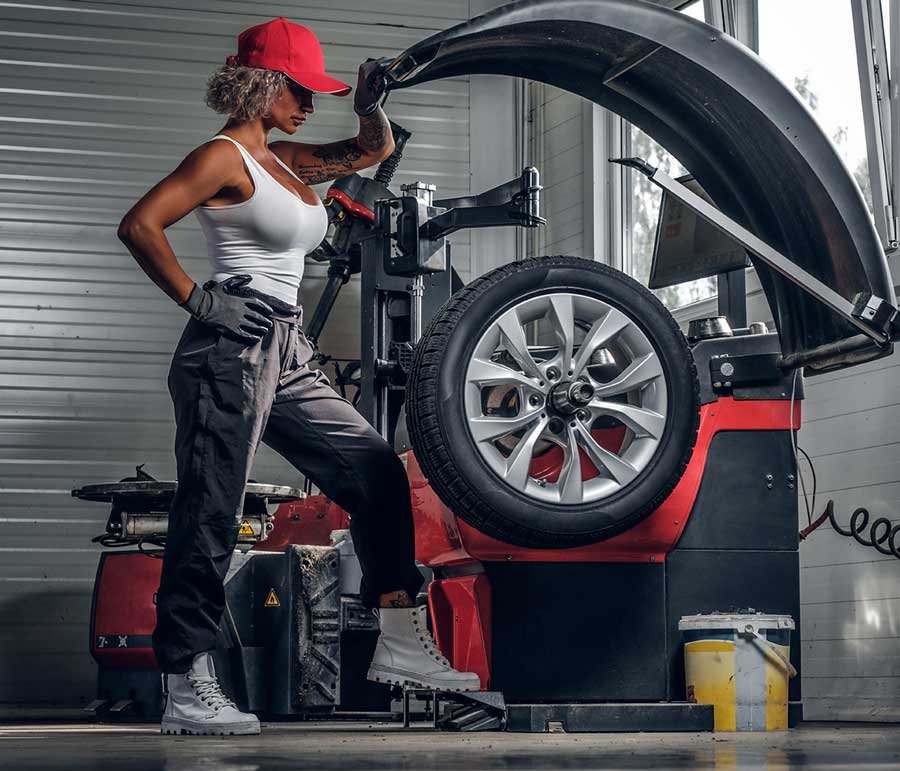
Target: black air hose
882, 535
389, 165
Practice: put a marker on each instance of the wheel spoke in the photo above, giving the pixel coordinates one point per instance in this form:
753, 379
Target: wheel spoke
578, 330
518, 464
601, 332
639, 373
571, 484
618, 468
642, 421
489, 373
563, 318
513, 337
487, 428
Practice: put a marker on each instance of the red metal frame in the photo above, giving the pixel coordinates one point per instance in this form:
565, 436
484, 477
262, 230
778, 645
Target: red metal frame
442, 539
308, 521
124, 604
461, 617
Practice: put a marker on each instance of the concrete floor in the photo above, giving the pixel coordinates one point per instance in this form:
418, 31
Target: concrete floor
283, 746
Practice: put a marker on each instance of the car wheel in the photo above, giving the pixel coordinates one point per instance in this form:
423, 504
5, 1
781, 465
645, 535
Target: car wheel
553, 403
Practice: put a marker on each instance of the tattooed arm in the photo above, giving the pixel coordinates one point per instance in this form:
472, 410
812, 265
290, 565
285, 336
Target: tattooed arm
320, 163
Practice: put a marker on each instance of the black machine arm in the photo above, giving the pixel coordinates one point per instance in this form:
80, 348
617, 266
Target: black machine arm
338, 275
414, 227
516, 202
398, 244
874, 317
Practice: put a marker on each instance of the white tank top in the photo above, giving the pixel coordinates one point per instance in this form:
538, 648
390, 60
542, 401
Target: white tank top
267, 236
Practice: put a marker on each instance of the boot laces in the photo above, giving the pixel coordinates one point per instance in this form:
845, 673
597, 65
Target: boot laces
210, 693
431, 648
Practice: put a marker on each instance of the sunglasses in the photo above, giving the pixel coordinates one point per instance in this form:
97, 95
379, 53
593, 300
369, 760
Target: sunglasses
300, 93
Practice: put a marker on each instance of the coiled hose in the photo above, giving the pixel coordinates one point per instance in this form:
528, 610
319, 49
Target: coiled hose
882, 535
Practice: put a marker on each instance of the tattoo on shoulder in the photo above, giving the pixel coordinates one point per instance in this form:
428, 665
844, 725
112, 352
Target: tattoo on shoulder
334, 160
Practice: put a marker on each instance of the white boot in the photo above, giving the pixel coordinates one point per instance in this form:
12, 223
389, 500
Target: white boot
195, 704
406, 654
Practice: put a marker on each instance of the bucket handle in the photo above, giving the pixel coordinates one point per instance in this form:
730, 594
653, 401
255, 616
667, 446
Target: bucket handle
769, 648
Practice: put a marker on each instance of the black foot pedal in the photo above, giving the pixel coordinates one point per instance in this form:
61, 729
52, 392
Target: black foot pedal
465, 710
97, 706
476, 711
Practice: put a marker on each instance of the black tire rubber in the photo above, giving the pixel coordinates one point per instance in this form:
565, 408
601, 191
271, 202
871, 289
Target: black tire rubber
439, 430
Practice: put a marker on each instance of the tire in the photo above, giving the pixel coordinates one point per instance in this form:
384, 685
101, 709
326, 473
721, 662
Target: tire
471, 477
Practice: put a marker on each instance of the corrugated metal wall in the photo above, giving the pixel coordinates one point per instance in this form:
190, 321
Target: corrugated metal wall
851, 594
100, 100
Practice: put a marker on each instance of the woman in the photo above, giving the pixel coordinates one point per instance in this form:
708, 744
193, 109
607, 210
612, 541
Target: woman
241, 374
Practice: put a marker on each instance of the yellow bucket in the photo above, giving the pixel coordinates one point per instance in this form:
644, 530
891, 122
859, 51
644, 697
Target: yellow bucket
739, 663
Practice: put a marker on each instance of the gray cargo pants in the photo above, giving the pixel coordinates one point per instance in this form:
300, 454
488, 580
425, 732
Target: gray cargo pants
228, 396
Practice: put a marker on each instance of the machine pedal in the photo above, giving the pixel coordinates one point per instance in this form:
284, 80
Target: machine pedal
122, 706
472, 718
96, 706
468, 710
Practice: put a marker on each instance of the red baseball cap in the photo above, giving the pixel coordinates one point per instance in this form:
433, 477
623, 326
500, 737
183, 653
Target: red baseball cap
290, 48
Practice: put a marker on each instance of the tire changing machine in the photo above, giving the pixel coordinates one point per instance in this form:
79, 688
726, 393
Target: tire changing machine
586, 638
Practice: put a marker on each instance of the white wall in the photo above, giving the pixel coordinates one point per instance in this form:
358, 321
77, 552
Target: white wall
495, 157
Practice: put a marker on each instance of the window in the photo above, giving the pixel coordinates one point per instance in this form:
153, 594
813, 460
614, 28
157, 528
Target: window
810, 46
643, 199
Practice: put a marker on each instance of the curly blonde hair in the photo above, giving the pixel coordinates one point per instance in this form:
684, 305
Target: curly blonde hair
244, 93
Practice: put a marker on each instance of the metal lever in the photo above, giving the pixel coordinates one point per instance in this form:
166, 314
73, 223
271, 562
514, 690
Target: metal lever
516, 202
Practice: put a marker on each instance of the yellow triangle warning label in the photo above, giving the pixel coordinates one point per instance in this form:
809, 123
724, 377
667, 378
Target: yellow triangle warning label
272, 600
245, 528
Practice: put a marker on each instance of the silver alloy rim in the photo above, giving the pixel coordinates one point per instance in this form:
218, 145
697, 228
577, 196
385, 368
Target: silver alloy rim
554, 394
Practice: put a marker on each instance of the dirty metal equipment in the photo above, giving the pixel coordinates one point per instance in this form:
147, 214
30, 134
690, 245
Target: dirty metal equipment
139, 514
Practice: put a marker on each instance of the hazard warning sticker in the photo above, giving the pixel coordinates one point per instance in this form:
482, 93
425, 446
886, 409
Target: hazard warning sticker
245, 528
272, 600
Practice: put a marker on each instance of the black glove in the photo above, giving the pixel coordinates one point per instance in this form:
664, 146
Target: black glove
370, 85
246, 319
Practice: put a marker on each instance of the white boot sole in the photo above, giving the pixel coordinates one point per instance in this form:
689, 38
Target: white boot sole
181, 727
389, 676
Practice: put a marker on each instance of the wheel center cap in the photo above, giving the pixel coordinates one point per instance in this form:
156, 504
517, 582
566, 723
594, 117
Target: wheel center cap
571, 395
